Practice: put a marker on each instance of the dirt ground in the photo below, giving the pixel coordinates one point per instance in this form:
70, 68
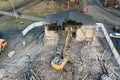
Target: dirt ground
44, 8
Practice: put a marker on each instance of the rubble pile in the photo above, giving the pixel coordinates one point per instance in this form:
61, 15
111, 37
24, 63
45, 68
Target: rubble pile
33, 62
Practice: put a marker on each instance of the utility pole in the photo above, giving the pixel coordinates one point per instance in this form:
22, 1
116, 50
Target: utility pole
68, 5
11, 2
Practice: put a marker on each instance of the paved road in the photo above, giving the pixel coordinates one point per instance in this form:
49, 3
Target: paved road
21, 16
22, 4
103, 15
112, 11
17, 6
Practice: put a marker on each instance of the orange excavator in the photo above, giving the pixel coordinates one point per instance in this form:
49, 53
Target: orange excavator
61, 59
3, 44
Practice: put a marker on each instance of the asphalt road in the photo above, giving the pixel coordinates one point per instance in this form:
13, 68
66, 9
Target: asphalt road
17, 6
109, 16
20, 5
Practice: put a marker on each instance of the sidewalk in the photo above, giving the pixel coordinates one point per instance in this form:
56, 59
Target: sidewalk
21, 16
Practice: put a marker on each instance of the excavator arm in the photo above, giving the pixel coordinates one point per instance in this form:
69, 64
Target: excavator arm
69, 35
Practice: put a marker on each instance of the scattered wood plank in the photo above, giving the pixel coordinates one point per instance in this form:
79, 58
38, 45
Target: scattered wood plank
85, 76
37, 78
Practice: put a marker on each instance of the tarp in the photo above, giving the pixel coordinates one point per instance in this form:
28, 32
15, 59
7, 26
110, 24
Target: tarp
73, 15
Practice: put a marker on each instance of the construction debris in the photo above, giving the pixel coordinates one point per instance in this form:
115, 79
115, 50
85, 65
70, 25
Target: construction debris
11, 53
85, 32
37, 78
24, 43
32, 62
2, 73
36, 56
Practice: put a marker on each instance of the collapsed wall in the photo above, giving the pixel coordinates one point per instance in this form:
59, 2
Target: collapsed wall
85, 33
51, 37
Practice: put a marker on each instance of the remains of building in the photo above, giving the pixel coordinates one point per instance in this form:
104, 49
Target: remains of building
69, 32
78, 44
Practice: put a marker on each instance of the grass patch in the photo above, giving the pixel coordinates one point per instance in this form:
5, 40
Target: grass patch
14, 23
36, 15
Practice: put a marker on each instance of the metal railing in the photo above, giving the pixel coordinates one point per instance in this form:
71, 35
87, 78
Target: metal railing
115, 53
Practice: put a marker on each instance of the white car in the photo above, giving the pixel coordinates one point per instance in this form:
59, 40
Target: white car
117, 6
114, 35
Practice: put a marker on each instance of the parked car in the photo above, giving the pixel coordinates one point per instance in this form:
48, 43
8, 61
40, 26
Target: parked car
116, 29
114, 35
117, 6
118, 43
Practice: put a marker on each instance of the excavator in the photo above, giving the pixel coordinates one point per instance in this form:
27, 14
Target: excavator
3, 44
61, 59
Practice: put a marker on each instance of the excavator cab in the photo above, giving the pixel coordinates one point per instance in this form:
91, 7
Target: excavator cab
58, 62
61, 59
